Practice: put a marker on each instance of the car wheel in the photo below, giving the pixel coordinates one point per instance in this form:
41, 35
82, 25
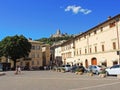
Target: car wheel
97, 72
107, 73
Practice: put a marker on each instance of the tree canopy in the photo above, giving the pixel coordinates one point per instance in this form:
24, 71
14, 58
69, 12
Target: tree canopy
15, 47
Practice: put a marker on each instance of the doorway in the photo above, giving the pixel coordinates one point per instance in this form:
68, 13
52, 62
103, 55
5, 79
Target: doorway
94, 61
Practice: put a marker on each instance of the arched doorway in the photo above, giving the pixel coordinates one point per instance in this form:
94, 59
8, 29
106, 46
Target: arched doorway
115, 62
94, 61
86, 63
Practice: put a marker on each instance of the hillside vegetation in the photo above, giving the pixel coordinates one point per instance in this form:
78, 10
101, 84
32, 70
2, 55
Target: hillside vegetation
52, 40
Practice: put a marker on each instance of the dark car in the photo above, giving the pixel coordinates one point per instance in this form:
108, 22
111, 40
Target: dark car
75, 68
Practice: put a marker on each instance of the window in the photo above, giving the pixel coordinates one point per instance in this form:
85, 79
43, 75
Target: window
95, 48
112, 24
33, 47
32, 62
103, 49
114, 45
77, 52
38, 47
85, 50
89, 34
101, 29
95, 32
38, 56
84, 36
33, 55
90, 50
38, 63
80, 51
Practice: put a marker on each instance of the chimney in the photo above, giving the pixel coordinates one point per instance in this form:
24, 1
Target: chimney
109, 17
30, 38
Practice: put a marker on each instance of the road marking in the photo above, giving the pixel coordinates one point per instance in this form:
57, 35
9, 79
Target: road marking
70, 78
103, 85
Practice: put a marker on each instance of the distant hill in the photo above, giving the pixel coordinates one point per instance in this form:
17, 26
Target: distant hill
52, 40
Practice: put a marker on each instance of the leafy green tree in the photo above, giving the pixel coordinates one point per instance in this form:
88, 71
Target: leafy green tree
15, 47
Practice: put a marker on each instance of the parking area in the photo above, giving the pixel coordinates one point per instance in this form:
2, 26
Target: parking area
51, 80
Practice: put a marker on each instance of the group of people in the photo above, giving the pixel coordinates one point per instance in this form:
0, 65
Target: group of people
18, 70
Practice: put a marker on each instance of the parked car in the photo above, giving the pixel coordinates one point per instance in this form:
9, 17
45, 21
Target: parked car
96, 69
74, 68
114, 70
1, 67
67, 67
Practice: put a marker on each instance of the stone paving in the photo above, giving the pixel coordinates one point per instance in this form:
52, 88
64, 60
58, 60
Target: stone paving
50, 80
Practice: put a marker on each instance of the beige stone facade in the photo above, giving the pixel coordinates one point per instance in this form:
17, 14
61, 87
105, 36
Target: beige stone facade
98, 45
46, 54
67, 52
34, 60
39, 56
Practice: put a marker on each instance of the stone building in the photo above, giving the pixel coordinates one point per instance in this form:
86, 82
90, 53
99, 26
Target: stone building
38, 57
58, 34
46, 54
99, 45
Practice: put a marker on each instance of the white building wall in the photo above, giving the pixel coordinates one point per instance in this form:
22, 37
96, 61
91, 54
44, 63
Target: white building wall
106, 38
89, 39
58, 51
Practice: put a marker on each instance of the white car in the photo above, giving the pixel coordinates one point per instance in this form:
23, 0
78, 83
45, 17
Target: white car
67, 67
114, 70
95, 69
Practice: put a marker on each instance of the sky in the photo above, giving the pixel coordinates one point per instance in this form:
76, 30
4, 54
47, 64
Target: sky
41, 18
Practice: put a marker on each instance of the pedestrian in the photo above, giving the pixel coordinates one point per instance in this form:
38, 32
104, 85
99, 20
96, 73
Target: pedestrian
45, 67
16, 70
19, 69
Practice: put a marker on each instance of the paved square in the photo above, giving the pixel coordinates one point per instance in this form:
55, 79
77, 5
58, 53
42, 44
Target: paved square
50, 80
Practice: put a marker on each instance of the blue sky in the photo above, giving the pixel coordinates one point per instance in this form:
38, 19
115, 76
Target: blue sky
41, 18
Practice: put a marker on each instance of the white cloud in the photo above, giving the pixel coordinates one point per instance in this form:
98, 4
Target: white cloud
77, 9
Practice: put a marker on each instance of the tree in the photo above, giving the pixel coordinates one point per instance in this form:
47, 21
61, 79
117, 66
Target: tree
15, 47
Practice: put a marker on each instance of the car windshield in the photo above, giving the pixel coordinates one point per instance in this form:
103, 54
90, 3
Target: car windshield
67, 65
99, 66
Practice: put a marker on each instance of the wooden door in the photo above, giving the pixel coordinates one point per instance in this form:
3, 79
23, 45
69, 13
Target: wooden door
94, 61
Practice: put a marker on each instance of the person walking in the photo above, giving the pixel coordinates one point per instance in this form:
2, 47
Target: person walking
17, 70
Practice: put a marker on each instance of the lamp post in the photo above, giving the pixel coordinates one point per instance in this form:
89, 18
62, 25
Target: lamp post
116, 20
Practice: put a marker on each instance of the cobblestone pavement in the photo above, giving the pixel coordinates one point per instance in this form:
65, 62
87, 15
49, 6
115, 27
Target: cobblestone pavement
50, 80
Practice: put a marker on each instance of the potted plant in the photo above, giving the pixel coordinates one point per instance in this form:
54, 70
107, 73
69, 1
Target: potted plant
79, 71
58, 69
102, 73
90, 73
63, 70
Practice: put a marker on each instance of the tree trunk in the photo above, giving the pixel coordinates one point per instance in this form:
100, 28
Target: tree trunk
14, 67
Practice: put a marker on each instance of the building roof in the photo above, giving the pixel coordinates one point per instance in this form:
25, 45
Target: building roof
35, 41
92, 29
